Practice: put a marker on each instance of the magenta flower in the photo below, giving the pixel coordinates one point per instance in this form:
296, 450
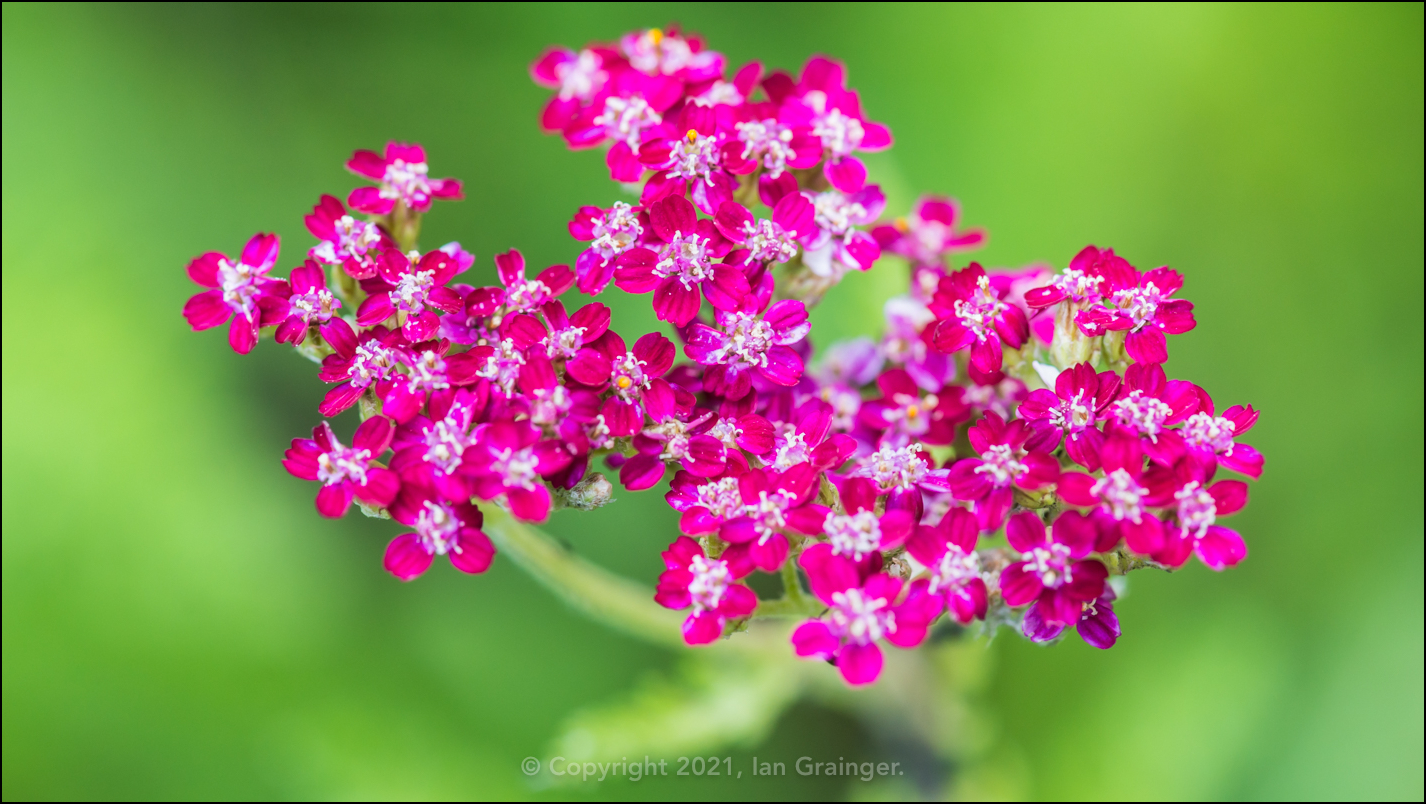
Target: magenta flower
630, 375
861, 612
1149, 403
986, 482
610, 233
402, 174
345, 472
435, 448
823, 103
579, 77
948, 551
905, 413
772, 502
358, 362
1196, 506
412, 287
1084, 282
769, 241
704, 503
519, 294
774, 147
688, 160
355, 245
430, 375
1124, 493
929, 233
805, 436
1097, 623
905, 342
1081, 399
1053, 574
903, 472
242, 291
669, 52
1211, 438
1142, 308
859, 533
838, 246
512, 461
310, 304
972, 315
441, 528
560, 336
745, 342
678, 262
706, 584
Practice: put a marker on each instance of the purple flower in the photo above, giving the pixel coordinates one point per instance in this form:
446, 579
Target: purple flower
1124, 493
838, 246
947, 549
346, 241
310, 304
705, 584
771, 503
358, 362
610, 233
905, 343
242, 291
1097, 623
904, 472
904, 412
441, 527
579, 77
1147, 404
1081, 398
345, 472
412, 287
678, 261
744, 342
973, 315
860, 532
862, 610
435, 448
512, 462
1053, 574
402, 175
986, 482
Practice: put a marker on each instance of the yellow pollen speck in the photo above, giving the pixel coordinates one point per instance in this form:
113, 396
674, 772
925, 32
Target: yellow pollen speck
692, 135
656, 35
901, 225
623, 382
913, 412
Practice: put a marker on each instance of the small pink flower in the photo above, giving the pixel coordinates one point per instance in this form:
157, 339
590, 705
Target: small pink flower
973, 315
707, 585
1085, 281
355, 245
1196, 504
631, 375
769, 241
668, 52
1208, 437
579, 77
1124, 493
860, 533
310, 304
838, 245
986, 482
1054, 574
948, 551
560, 336
929, 233
441, 527
678, 262
519, 295
904, 472
772, 502
1148, 404
688, 158
1142, 307
358, 362
905, 413
823, 103
745, 342
242, 291
774, 147
430, 375
610, 233
435, 448
512, 462
412, 287
402, 175
862, 610
1071, 412
345, 472
1097, 623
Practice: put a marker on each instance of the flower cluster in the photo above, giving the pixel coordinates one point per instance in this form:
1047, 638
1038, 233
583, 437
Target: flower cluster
1009, 447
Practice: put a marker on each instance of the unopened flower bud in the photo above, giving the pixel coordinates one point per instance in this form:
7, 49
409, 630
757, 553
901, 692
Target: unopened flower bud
1070, 345
592, 492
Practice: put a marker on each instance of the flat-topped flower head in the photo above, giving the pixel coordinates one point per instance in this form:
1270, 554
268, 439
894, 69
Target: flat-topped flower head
402, 177
708, 586
241, 291
345, 472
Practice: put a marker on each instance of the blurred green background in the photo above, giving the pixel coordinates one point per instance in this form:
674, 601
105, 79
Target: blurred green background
179, 623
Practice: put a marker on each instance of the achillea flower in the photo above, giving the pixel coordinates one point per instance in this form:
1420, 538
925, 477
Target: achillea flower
1194, 530
746, 341
412, 287
310, 304
1081, 399
929, 233
1143, 309
1212, 438
402, 176
822, 102
860, 534
678, 262
519, 295
1097, 624
772, 502
1054, 574
1148, 404
345, 472
434, 449
355, 245
769, 241
947, 549
905, 413
972, 315
839, 246
1124, 493
630, 374
511, 462
986, 482
705, 584
861, 612
358, 362
579, 77
442, 528
242, 291
610, 233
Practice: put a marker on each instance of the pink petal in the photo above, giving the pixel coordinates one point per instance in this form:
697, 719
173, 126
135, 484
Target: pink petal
334, 500
702, 628
814, 640
473, 552
406, 558
860, 664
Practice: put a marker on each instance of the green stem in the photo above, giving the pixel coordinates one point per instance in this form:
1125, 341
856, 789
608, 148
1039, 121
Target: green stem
596, 592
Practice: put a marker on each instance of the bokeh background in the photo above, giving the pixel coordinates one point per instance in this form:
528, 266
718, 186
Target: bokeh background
179, 623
